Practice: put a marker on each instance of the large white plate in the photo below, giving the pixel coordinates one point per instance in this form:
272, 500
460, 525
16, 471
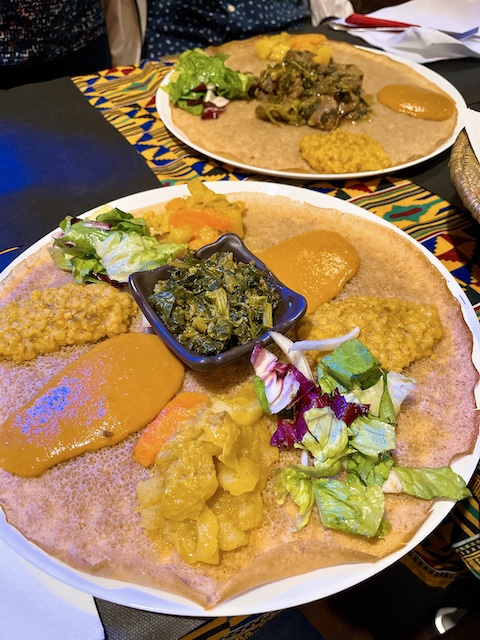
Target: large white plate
164, 109
283, 593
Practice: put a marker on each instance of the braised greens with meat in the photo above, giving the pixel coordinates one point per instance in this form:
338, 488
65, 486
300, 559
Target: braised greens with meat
213, 304
300, 91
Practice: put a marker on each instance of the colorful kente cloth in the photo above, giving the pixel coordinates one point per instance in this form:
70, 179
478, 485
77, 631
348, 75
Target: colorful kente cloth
126, 97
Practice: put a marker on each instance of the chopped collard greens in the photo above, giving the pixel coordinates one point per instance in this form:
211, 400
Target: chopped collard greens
213, 304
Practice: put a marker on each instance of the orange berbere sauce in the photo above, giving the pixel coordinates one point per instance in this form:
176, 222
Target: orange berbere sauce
417, 102
316, 264
111, 391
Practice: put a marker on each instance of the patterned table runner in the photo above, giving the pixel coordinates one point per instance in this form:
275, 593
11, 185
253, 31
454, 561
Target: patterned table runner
126, 98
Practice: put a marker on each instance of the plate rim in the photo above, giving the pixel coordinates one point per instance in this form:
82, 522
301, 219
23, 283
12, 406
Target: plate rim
164, 111
283, 593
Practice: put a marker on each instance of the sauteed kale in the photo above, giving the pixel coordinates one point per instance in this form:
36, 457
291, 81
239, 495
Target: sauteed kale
300, 91
214, 304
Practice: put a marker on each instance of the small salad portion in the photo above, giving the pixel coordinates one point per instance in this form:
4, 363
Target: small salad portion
204, 85
343, 419
109, 247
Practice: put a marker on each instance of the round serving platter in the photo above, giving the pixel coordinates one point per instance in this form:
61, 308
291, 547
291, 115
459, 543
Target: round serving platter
287, 592
164, 109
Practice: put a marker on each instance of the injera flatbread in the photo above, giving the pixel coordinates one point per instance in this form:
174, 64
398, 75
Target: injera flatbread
240, 136
84, 511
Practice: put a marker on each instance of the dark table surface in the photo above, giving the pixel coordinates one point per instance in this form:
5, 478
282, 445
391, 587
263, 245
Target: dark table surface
59, 156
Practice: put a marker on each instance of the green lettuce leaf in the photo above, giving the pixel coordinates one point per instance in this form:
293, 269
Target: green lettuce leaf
328, 383
194, 68
429, 483
113, 244
61, 258
386, 411
123, 253
295, 482
349, 507
259, 387
353, 365
371, 471
122, 220
86, 269
77, 237
326, 439
372, 436
399, 387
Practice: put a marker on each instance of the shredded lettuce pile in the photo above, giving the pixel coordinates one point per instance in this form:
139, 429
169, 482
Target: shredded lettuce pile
203, 84
344, 421
110, 247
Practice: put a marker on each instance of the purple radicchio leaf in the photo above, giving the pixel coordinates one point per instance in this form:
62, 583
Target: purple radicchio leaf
288, 432
104, 278
211, 111
347, 411
94, 224
284, 384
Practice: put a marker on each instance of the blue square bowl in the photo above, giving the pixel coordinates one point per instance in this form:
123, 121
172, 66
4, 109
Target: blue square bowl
291, 308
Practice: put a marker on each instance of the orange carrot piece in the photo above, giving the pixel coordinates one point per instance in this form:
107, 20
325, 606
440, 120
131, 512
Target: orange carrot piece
195, 218
182, 407
306, 40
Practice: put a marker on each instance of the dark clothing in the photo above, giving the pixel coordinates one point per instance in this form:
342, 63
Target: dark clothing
175, 25
46, 39
88, 60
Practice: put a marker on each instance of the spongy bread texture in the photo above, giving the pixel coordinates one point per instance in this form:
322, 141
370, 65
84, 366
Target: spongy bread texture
84, 511
264, 144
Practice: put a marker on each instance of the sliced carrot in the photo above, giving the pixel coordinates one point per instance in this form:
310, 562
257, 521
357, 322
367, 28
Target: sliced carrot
197, 217
306, 40
182, 407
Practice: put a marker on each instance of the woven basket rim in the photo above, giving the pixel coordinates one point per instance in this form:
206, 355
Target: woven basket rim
465, 174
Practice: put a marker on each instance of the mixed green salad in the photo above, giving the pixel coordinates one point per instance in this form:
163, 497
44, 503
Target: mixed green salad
343, 419
109, 247
203, 84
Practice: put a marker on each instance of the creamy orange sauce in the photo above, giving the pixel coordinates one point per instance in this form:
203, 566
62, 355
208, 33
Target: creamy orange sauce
416, 102
316, 264
108, 393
